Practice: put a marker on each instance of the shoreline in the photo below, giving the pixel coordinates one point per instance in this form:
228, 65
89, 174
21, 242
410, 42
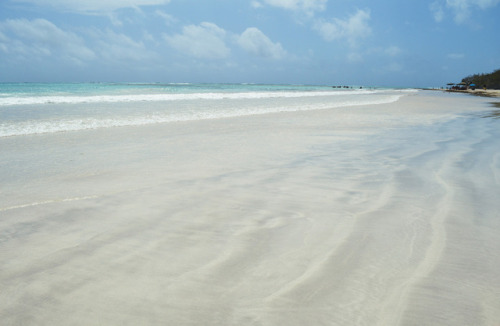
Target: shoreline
477, 92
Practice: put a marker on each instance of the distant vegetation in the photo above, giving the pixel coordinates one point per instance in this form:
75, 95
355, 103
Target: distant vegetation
492, 81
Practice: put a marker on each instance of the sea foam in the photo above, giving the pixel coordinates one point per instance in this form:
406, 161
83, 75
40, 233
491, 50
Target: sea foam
22, 100
24, 111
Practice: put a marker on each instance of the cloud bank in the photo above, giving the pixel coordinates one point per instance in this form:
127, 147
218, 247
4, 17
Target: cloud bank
93, 6
206, 40
31, 39
351, 29
257, 43
307, 7
461, 9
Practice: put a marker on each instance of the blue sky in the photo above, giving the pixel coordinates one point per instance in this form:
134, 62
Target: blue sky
413, 43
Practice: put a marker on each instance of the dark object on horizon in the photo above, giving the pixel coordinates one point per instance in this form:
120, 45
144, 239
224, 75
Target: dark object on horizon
458, 87
462, 86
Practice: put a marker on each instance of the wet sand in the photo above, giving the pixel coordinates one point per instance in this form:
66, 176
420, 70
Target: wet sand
371, 215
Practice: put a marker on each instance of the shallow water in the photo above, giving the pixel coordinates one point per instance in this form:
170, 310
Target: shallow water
47, 108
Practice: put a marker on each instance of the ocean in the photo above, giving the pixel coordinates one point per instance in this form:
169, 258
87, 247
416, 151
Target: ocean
37, 108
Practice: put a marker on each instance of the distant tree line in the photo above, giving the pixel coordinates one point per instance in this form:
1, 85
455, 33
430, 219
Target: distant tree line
491, 81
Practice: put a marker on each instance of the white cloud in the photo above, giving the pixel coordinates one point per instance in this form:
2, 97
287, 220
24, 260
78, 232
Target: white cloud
461, 9
93, 6
167, 18
309, 7
256, 4
115, 20
114, 47
352, 29
206, 40
456, 56
40, 37
255, 42
437, 11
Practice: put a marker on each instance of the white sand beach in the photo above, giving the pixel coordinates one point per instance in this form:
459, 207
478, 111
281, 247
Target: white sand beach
367, 215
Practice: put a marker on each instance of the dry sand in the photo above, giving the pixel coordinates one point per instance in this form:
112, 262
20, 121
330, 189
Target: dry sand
376, 215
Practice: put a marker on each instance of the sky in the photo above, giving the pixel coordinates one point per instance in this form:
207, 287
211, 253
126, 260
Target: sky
391, 43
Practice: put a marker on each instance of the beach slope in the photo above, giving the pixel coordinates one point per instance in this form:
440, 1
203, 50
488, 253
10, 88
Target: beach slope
368, 215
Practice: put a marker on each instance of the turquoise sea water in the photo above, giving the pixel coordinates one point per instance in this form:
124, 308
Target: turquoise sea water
34, 108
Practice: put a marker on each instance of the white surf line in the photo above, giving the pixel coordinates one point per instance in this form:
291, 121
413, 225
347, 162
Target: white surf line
45, 202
